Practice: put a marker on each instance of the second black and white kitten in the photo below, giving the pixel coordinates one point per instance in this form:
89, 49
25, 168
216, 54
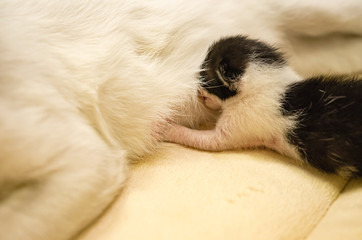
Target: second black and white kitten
263, 102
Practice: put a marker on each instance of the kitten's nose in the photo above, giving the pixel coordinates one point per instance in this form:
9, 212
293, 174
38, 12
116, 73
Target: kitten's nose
200, 95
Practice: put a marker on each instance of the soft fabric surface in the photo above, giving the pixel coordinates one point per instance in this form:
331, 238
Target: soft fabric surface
344, 218
181, 193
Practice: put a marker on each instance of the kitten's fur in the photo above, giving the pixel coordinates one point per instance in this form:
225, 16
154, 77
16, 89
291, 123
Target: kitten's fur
82, 85
265, 103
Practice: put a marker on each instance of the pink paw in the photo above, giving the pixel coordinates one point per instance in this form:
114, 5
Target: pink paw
160, 130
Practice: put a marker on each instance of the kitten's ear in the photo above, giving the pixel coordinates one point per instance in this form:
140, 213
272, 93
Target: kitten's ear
229, 71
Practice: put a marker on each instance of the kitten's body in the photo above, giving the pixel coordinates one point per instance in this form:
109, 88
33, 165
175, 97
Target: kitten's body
83, 83
265, 103
328, 112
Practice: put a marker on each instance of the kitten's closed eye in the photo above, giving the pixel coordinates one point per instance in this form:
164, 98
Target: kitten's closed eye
229, 58
229, 72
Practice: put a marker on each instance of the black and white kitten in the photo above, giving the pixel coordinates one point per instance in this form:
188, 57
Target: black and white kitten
263, 102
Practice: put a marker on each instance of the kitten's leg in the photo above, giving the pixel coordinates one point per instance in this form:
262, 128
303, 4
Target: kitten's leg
56, 173
211, 140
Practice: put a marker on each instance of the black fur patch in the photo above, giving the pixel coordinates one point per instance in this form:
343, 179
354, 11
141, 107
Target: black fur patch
230, 57
329, 130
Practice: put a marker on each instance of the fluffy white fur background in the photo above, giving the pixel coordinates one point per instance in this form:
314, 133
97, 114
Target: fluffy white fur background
83, 84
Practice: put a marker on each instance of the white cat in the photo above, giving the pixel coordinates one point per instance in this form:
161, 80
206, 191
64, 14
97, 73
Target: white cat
83, 84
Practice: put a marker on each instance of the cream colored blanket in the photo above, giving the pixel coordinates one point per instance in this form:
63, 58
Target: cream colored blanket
181, 193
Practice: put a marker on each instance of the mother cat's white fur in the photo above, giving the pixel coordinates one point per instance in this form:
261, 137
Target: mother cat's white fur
83, 83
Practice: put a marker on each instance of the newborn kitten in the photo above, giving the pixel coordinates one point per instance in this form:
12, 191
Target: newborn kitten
263, 102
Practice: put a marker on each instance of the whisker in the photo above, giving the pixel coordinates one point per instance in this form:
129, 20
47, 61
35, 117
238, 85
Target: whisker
208, 81
330, 99
210, 87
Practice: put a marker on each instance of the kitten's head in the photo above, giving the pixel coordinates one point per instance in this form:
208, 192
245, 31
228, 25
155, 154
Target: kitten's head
228, 60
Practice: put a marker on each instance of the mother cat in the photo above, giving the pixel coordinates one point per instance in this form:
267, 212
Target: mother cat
82, 85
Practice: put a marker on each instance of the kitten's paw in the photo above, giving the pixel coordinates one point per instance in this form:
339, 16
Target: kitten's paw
174, 133
160, 130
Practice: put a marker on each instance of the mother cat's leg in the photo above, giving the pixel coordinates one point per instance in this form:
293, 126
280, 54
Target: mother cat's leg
317, 18
320, 37
334, 54
56, 173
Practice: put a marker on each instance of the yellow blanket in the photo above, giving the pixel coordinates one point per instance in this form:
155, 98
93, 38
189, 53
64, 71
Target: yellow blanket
181, 193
